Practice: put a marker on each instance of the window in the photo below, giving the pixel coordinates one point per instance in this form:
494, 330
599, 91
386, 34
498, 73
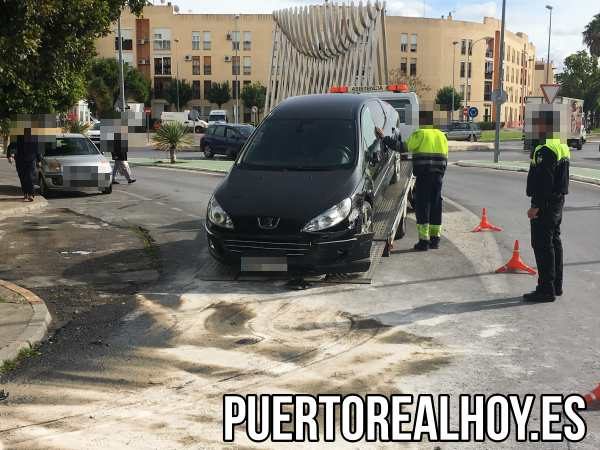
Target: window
463, 47
207, 86
413, 43
413, 67
235, 89
231, 133
195, 65
462, 69
126, 38
247, 83
159, 87
404, 42
235, 40
489, 70
206, 40
247, 65
403, 66
470, 46
235, 65
469, 93
162, 39
247, 40
370, 139
195, 40
469, 69
162, 65
219, 131
207, 65
196, 89
462, 90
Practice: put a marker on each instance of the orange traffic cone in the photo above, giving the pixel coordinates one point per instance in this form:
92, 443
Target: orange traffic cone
484, 224
593, 397
516, 264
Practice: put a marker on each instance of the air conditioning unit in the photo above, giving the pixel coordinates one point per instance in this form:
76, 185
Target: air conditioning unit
187, 57
228, 59
143, 62
228, 36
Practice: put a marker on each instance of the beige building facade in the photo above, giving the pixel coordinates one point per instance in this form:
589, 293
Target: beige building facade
544, 74
206, 48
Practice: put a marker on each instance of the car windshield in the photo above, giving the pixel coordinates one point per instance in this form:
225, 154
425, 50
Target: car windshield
71, 146
302, 144
217, 118
245, 131
401, 106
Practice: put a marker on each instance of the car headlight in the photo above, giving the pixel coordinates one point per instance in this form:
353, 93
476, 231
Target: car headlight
217, 215
104, 167
52, 165
331, 217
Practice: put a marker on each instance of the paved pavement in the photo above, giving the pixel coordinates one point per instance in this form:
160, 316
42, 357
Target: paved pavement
434, 322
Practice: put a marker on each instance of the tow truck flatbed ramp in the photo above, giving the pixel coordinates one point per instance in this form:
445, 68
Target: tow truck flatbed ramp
389, 212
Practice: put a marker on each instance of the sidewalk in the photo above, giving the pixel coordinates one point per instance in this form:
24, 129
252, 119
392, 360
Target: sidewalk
583, 174
199, 165
24, 320
11, 201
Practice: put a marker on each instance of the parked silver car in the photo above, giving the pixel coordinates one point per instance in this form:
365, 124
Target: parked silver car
72, 163
461, 131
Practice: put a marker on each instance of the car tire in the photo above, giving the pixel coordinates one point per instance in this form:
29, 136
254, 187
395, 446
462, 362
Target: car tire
580, 144
401, 231
208, 153
107, 190
472, 138
366, 224
199, 130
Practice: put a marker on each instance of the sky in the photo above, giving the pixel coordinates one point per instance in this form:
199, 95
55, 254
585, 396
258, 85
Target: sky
569, 17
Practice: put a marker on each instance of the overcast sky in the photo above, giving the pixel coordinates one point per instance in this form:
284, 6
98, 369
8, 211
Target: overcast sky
530, 16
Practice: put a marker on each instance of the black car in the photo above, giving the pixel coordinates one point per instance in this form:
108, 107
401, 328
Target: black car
301, 194
225, 139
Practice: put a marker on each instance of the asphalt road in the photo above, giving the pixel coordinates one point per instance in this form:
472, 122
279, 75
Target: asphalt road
439, 322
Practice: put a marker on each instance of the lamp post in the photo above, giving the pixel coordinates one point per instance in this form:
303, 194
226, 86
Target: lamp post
549, 8
121, 75
236, 46
177, 70
453, 78
470, 49
500, 85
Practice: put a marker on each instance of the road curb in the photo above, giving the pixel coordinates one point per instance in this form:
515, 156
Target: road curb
579, 178
38, 203
188, 169
36, 329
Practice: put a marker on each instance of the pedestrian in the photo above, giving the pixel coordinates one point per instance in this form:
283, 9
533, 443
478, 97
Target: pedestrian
27, 156
119, 156
429, 148
547, 185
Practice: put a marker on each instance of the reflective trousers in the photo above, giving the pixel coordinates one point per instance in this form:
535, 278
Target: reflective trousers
428, 204
547, 246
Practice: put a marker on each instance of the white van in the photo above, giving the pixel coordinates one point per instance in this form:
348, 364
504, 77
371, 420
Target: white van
188, 118
217, 116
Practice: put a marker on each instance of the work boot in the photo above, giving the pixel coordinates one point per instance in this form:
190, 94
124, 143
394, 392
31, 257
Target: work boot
539, 296
422, 245
434, 242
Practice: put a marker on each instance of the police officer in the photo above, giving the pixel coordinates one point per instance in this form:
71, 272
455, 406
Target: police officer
429, 148
547, 185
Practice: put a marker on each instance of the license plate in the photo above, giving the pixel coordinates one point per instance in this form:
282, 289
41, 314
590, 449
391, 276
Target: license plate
264, 264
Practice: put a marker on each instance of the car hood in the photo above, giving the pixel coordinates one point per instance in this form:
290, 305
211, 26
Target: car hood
79, 160
299, 195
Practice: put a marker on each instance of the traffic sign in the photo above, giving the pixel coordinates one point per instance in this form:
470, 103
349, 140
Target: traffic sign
550, 91
254, 109
499, 97
473, 112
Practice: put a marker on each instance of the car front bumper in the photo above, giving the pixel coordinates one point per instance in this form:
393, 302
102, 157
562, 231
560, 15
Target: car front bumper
58, 182
343, 251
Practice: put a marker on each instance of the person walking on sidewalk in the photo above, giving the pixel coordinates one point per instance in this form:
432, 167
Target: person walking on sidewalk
26, 154
119, 156
547, 185
429, 148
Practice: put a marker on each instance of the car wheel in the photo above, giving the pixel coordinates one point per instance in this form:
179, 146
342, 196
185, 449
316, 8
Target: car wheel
401, 231
208, 153
107, 190
580, 144
472, 138
366, 218
397, 168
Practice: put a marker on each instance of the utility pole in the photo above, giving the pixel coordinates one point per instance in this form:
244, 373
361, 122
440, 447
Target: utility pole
453, 78
236, 46
177, 70
549, 8
500, 86
121, 74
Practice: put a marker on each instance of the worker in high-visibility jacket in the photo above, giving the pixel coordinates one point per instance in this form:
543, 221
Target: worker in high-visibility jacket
429, 148
547, 185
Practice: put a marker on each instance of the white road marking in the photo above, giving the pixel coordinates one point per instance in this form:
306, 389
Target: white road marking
141, 197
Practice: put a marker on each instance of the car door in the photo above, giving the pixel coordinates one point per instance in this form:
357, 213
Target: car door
232, 141
218, 140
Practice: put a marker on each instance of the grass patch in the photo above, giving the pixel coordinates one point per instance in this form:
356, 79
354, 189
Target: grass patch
150, 247
24, 354
2, 300
505, 135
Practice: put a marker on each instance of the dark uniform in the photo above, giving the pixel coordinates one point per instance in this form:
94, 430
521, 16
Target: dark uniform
26, 153
547, 185
429, 148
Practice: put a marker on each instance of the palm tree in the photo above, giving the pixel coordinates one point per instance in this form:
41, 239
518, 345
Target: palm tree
591, 36
171, 137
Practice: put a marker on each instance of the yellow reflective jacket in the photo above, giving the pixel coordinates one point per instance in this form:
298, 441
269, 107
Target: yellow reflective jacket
429, 148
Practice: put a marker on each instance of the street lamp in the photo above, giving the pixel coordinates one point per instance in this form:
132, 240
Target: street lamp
453, 78
469, 50
500, 85
121, 75
236, 47
177, 70
549, 8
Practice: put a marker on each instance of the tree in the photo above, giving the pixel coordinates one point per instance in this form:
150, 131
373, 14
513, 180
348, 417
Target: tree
581, 79
185, 92
254, 95
591, 36
103, 85
415, 84
172, 136
444, 98
219, 93
45, 50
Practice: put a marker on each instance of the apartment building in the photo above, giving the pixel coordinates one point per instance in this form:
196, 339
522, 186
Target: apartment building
206, 48
544, 74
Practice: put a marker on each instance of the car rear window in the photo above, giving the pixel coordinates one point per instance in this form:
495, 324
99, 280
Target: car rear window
72, 146
302, 144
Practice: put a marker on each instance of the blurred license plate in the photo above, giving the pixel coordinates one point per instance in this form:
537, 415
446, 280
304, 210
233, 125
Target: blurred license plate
264, 264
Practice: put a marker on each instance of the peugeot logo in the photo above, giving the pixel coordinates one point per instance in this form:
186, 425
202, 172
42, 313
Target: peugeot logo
268, 223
